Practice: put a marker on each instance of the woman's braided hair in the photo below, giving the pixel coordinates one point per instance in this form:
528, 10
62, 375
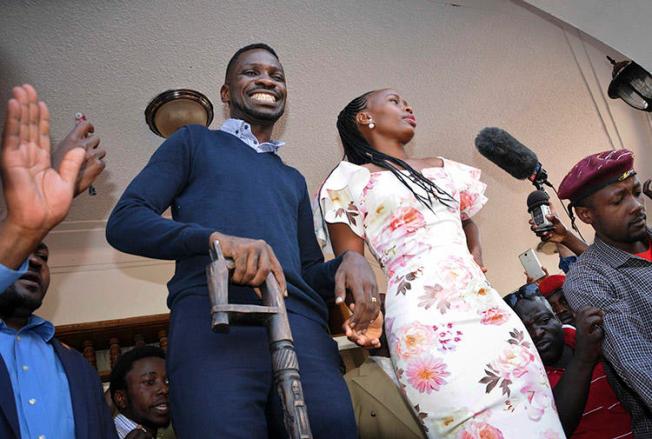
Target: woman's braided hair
358, 151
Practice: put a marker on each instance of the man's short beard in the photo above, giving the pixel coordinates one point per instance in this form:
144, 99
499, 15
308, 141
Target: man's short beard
11, 301
643, 236
259, 116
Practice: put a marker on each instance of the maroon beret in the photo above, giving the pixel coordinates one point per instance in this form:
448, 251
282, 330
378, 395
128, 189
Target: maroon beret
595, 172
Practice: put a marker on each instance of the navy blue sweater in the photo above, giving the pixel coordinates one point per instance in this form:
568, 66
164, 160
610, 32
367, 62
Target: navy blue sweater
215, 182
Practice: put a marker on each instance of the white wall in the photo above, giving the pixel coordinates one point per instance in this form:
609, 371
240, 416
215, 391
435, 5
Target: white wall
482, 63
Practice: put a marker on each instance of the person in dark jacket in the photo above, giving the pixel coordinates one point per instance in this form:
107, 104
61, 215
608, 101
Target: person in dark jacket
47, 390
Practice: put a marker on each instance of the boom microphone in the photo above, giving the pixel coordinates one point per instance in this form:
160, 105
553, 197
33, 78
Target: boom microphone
511, 155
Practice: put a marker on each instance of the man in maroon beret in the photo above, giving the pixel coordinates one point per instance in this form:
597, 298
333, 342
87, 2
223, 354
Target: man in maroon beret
615, 273
551, 289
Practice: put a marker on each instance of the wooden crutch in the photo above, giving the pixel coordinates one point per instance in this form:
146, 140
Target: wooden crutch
273, 315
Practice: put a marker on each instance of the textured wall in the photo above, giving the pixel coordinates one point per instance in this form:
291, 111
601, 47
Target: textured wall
462, 66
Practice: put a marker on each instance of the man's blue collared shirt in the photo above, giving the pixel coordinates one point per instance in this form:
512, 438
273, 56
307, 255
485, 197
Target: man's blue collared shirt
38, 380
242, 130
9, 276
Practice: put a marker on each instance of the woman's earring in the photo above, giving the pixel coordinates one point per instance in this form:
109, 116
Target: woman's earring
371, 125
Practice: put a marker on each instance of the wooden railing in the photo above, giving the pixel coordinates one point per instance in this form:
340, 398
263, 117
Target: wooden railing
113, 335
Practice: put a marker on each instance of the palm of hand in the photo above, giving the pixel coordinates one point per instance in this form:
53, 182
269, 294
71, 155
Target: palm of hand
44, 196
37, 196
375, 329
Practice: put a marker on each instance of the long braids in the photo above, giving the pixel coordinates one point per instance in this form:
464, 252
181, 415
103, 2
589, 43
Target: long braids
358, 151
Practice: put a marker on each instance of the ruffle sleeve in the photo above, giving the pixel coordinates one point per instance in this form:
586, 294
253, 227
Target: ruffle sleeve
467, 181
338, 200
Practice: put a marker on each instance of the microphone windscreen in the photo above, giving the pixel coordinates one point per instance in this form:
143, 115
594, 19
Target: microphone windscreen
537, 198
508, 153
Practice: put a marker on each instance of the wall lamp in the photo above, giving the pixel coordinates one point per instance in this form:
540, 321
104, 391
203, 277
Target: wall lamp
173, 109
631, 83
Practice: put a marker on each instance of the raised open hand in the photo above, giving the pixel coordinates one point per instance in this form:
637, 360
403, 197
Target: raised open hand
37, 196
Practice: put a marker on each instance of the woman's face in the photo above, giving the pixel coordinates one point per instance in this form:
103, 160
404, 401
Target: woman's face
391, 114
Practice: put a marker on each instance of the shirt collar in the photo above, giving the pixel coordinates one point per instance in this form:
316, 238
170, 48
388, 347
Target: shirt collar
612, 255
35, 324
242, 130
124, 425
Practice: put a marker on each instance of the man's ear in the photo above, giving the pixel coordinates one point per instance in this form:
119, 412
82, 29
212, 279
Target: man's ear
120, 399
225, 95
585, 214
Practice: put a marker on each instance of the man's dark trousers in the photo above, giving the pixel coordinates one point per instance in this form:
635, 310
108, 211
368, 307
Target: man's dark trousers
224, 381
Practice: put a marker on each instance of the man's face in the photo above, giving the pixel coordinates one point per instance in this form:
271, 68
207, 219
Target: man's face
544, 328
146, 400
617, 213
256, 89
561, 308
27, 293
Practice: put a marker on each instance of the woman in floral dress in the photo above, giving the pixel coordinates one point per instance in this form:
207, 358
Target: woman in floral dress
463, 359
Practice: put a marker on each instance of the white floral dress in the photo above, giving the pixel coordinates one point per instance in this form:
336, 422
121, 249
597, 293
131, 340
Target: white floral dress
463, 359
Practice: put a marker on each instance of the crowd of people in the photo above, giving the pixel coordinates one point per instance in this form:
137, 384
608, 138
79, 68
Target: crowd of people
566, 356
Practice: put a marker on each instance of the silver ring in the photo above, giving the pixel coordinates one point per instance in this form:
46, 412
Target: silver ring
374, 300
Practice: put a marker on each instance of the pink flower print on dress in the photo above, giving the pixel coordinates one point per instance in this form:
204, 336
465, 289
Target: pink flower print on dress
406, 219
426, 373
550, 434
447, 337
373, 179
447, 299
457, 272
414, 339
398, 262
537, 398
494, 316
480, 430
430, 295
512, 363
461, 297
467, 199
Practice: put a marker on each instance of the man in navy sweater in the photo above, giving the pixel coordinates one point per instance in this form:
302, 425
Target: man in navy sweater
229, 185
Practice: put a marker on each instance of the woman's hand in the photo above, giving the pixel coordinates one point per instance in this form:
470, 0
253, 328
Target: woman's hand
368, 338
